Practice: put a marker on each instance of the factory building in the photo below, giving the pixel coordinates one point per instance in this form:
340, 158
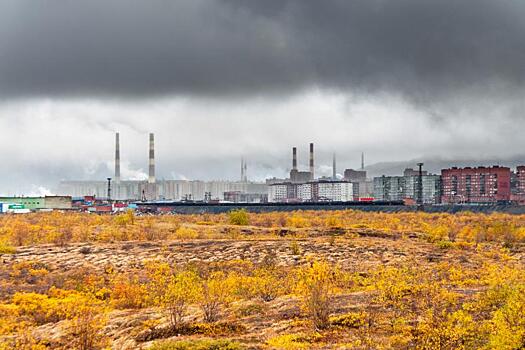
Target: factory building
362, 187
397, 188
297, 176
476, 185
240, 197
153, 189
165, 189
40, 203
302, 187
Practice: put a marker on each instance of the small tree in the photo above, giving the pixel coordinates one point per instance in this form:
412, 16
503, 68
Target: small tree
266, 284
317, 285
239, 217
182, 290
214, 294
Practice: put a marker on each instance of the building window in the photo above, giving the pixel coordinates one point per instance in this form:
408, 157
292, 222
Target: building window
454, 185
468, 186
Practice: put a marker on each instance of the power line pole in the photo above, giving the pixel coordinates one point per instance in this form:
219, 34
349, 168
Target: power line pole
109, 189
420, 186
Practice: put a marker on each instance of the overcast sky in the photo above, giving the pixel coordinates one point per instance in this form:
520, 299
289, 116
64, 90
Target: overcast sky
217, 80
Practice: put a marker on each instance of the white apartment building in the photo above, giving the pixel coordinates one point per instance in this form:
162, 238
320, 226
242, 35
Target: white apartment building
336, 191
305, 192
277, 193
329, 191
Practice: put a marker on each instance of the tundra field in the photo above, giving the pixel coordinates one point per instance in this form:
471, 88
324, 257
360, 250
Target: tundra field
301, 280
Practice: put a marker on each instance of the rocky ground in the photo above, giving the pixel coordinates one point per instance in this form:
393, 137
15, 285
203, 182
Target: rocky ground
348, 251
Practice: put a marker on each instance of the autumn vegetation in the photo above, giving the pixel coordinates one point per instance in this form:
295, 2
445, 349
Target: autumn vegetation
441, 281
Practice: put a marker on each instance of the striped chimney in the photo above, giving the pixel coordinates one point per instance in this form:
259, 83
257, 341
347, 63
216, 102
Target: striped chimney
151, 178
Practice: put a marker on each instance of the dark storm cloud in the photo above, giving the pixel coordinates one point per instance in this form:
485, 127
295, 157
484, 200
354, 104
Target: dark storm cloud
422, 49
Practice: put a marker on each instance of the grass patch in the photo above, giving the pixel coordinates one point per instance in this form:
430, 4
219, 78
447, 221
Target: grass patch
203, 344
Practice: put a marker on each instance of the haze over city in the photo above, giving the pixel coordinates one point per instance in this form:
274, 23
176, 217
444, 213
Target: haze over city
220, 80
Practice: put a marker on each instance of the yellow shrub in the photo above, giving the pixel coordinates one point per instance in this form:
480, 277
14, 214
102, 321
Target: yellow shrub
317, 285
185, 233
128, 292
297, 221
6, 248
239, 217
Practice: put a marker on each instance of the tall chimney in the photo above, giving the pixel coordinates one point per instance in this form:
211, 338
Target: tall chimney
362, 160
117, 158
242, 169
312, 161
334, 170
151, 178
294, 158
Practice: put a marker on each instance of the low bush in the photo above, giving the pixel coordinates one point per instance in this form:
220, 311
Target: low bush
185, 233
350, 320
239, 217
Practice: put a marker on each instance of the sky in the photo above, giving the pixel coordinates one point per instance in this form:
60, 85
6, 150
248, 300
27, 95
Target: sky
217, 80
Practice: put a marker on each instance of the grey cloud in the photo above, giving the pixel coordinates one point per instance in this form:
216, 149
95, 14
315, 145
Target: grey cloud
422, 49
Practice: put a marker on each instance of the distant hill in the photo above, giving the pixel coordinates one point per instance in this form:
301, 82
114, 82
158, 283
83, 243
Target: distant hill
435, 165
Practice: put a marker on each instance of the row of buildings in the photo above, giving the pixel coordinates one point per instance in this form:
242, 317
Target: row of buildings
177, 190
302, 186
455, 185
478, 185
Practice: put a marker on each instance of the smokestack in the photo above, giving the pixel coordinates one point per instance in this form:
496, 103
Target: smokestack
242, 169
117, 158
245, 172
334, 170
151, 178
362, 160
294, 158
312, 161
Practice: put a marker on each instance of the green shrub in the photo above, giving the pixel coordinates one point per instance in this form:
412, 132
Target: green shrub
204, 344
445, 244
350, 320
239, 217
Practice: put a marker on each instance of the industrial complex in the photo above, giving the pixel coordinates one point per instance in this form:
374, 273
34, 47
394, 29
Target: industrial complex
453, 186
152, 189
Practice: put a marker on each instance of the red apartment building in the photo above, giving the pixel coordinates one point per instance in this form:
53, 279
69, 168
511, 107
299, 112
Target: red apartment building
476, 185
